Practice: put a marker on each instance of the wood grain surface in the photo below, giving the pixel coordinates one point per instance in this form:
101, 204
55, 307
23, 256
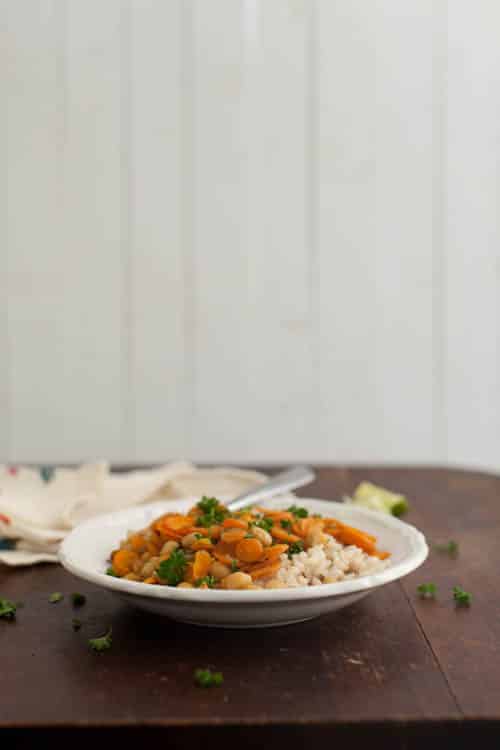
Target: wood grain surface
392, 667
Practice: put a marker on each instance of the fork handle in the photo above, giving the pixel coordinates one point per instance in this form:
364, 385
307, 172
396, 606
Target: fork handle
287, 480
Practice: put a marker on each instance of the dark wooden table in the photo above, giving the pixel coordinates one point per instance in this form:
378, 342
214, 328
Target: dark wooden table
392, 669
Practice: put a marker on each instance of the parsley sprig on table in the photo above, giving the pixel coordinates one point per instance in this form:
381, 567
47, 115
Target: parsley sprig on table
206, 678
171, 571
450, 548
78, 600
427, 590
461, 597
212, 513
56, 597
7, 609
103, 643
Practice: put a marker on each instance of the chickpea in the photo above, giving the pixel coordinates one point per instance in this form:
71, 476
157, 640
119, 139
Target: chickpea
185, 585
188, 540
315, 536
237, 580
149, 568
218, 570
262, 535
169, 547
137, 566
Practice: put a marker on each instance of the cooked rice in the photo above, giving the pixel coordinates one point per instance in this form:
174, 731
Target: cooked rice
325, 563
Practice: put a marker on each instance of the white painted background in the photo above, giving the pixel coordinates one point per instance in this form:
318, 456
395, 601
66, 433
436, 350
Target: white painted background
250, 230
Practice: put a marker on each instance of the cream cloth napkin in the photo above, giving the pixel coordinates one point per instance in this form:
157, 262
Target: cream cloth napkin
38, 508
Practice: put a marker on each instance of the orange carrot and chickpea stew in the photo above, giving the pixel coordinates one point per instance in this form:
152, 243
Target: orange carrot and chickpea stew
211, 548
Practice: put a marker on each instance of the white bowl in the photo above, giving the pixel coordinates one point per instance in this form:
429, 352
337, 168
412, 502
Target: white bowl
85, 553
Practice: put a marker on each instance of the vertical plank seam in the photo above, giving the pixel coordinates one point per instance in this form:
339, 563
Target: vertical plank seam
128, 442
6, 379
62, 9
4, 298
433, 652
312, 208
188, 157
439, 208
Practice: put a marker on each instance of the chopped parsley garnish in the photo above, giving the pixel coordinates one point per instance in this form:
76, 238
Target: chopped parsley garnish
206, 678
234, 566
56, 597
295, 548
212, 513
298, 512
450, 548
103, 643
110, 572
171, 571
7, 609
78, 600
461, 597
210, 581
264, 523
286, 524
198, 535
76, 624
427, 590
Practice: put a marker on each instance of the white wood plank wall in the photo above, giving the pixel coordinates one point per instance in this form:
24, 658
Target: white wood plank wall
250, 230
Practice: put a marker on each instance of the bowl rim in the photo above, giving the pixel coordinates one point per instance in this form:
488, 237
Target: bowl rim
418, 551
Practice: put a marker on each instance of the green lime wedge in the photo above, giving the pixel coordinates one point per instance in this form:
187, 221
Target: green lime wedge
377, 498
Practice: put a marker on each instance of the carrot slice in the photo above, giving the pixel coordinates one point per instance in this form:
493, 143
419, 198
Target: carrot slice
197, 530
233, 535
173, 525
234, 523
264, 571
284, 536
174, 536
350, 535
138, 542
332, 528
122, 560
277, 515
202, 562
223, 558
274, 552
249, 550
177, 522
202, 544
